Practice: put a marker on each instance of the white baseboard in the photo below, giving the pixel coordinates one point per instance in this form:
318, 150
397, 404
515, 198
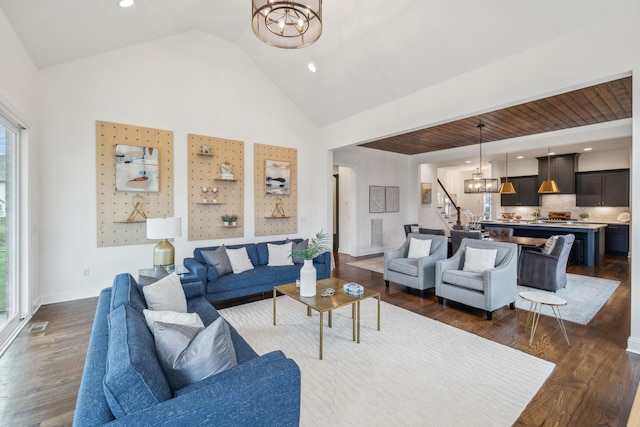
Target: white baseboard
55, 297
633, 345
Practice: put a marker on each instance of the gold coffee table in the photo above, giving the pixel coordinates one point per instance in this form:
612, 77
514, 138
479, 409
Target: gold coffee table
328, 304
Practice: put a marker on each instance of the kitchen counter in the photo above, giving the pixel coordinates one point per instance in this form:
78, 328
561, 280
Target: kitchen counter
554, 224
589, 243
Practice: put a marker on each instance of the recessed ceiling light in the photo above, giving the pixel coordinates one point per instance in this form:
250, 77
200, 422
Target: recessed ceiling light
468, 161
588, 149
552, 153
125, 3
520, 157
312, 67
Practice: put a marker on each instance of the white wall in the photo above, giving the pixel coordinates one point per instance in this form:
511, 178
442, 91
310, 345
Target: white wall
18, 99
374, 167
603, 160
188, 83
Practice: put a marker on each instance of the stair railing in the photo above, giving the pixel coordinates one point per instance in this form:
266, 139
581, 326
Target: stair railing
457, 208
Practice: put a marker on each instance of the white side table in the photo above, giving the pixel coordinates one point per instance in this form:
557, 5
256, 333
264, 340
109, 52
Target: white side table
537, 300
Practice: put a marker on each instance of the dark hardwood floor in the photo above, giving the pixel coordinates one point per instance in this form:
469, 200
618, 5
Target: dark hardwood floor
593, 384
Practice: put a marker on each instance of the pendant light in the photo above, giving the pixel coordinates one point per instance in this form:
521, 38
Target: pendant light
506, 187
478, 183
549, 186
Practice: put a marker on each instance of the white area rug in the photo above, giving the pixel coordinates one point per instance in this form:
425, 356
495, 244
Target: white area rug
414, 372
585, 295
373, 264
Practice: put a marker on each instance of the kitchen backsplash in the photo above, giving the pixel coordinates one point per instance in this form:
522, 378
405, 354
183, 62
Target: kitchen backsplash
565, 203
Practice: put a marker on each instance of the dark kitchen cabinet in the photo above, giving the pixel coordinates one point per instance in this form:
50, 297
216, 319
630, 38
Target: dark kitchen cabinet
616, 239
561, 169
603, 188
526, 192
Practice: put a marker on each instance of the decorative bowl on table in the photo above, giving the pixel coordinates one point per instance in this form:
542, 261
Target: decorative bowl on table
508, 215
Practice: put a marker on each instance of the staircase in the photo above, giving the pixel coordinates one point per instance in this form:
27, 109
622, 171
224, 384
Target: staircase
447, 206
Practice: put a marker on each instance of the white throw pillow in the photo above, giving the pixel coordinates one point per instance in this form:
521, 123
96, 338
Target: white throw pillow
279, 254
173, 317
415, 229
239, 259
166, 295
419, 248
550, 244
479, 260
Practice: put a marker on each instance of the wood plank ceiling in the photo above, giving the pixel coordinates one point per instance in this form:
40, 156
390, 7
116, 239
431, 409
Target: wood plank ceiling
595, 104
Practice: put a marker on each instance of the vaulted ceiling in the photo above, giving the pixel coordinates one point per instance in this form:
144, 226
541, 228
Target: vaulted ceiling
370, 53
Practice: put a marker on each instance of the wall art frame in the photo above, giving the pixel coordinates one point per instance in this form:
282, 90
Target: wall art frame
376, 199
277, 177
392, 199
425, 193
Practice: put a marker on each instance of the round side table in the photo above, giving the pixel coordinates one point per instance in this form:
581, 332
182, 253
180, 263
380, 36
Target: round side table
537, 300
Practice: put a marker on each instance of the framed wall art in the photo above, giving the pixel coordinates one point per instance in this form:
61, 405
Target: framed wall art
425, 193
376, 199
137, 168
277, 177
392, 199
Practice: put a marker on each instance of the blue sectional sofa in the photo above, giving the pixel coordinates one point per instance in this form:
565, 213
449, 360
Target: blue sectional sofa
261, 390
262, 278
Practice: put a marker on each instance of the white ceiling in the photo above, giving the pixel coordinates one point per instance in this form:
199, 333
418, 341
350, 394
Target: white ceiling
371, 52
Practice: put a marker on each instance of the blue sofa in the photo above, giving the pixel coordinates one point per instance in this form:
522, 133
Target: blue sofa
261, 390
261, 278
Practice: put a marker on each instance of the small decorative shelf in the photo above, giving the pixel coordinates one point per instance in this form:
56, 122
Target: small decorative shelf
135, 221
228, 180
205, 155
209, 203
230, 226
277, 217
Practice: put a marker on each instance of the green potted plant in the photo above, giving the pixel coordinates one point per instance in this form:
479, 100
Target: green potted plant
317, 245
233, 218
225, 220
518, 218
584, 216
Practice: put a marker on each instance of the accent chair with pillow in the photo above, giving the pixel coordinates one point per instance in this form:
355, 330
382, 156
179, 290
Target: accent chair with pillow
481, 274
546, 269
413, 264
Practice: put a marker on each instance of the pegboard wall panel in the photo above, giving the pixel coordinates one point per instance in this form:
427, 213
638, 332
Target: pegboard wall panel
205, 172
268, 210
121, 214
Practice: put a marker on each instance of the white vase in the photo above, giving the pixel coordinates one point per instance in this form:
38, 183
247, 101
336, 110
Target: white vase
308, 279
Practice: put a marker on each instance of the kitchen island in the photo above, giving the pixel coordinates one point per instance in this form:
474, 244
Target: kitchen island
587, 248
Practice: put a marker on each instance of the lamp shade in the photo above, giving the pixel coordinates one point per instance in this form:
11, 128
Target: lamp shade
548, 186
484, 185
507, 188
164, 228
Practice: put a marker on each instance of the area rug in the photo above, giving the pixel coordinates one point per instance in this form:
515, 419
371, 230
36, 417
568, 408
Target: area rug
585, 296
373, 264
415, 371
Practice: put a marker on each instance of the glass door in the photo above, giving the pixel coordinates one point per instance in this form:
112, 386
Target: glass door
9, 289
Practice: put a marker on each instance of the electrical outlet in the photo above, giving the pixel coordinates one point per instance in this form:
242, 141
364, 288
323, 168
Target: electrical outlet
85, 272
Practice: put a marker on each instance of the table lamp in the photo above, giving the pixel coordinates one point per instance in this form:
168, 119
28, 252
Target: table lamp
164, 228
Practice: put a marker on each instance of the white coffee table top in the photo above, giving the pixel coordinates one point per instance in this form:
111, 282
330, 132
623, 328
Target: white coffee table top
543, 298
